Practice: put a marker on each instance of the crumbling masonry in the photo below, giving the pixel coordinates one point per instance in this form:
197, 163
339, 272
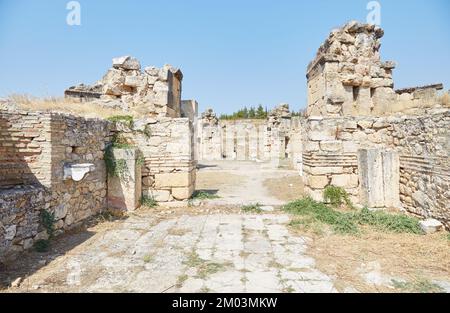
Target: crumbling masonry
385, 147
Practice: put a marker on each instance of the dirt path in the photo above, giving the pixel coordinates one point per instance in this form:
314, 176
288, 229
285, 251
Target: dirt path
242, 183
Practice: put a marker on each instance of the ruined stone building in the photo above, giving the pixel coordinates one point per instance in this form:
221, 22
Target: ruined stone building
271, 140
385, 147
62, 163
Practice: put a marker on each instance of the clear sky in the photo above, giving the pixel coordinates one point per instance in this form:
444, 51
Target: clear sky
232, 52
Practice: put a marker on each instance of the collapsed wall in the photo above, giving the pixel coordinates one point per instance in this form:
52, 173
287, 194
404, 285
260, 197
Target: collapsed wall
401, 160
153, 92
272, 139
348, 78
72, 167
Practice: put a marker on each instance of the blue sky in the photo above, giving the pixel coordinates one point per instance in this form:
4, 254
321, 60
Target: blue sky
232, 53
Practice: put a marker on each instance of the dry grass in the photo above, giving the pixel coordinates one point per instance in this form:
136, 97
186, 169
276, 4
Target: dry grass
286, 188
60, 105
445, 100
407, 256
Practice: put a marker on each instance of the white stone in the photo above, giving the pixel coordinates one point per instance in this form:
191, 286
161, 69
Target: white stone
10, 232
431, 225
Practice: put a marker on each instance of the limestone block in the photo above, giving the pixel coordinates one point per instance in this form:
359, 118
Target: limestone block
311, 146
133, 81
317, 182
159, 195
370, 172
182, 193
126, 63
379, 177
317, 135
345, 180
331, 145
431, 225
125, 190
350, 147
326, 170
391, 178
182, 179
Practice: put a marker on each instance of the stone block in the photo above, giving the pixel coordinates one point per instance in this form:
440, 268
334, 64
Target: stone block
125, 190
182, 179
345, 180
317, 182
317, 135
379, 178
431, 225
350, 147
326, 170
331, 145
183, 193
160, 195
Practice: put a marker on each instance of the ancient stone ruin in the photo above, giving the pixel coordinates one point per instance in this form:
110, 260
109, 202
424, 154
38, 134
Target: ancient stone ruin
155, 92
385, 147
254, 140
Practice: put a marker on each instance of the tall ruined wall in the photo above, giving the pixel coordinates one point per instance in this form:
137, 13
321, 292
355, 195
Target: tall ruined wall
152, 92
169, 169
56, 141
348, 78
330, 157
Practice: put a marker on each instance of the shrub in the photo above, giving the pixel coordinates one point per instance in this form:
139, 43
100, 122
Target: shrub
116, 168
119, 141
336, 196
42, 245
48, 221
149, 202
124, 119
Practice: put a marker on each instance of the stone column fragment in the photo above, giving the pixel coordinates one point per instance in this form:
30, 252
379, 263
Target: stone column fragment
125, 185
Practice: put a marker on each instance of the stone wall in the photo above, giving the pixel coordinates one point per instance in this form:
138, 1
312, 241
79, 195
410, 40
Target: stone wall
44, 146
169, 170
24, 149
422, 143
348, 78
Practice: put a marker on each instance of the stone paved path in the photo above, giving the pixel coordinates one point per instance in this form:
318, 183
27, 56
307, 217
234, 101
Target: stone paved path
205, 253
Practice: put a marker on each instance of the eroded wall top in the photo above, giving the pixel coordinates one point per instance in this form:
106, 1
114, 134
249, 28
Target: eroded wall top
153, 92
348, 78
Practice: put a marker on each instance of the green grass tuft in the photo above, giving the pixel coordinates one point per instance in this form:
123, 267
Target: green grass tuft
252, 208
124, 119
149, 202
336, 196
314, 212
203, 195
418, 286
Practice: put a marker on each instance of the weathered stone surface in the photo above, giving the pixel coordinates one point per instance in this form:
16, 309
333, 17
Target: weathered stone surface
173, 180
317, 181
345, 180
431, 225
126, 63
